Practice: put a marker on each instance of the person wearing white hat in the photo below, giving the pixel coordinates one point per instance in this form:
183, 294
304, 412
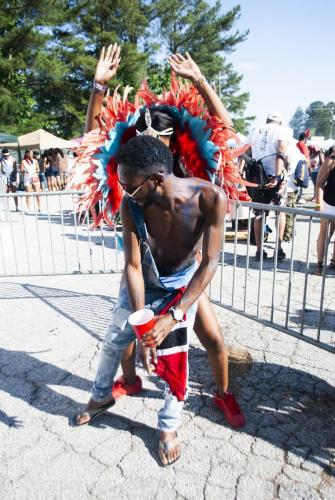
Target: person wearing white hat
268, 145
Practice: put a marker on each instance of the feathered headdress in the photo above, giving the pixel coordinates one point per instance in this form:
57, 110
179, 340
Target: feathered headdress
200, 140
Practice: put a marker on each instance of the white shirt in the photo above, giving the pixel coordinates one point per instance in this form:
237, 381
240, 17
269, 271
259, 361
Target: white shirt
264, 142
294, 155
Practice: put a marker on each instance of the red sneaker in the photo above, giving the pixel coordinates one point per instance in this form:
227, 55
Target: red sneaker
120, 388
231, 409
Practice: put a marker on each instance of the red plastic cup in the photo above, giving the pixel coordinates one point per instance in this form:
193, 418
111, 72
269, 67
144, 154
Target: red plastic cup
142, 321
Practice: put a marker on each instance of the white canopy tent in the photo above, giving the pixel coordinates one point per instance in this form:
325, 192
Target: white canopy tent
41, 139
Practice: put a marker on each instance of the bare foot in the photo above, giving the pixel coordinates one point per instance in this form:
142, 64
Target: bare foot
169, 448
92, 410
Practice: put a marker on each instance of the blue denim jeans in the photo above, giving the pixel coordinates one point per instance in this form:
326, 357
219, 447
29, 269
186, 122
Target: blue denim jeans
119, 336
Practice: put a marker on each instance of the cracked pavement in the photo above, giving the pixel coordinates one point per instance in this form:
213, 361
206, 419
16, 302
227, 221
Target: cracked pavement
50, 331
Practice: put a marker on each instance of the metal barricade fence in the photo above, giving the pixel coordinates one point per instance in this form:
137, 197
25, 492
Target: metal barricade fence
285, 294
282, 294
54, 239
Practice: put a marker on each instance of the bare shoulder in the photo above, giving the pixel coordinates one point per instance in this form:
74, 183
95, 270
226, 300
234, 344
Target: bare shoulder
212, 198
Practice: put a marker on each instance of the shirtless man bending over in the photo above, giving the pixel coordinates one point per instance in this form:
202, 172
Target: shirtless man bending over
185, 215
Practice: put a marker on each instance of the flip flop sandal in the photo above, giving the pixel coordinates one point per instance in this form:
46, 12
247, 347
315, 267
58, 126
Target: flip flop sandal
91, 413
166, 446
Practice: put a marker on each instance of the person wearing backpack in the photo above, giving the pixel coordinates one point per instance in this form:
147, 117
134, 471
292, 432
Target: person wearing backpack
296, 164
268, 146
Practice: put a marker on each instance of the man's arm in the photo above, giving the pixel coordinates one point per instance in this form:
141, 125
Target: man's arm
132, 254
106, 69
185, 67
213, 205
279, 164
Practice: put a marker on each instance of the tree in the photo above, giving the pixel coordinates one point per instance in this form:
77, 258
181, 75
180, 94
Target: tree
48, 52
21, 39
204, 32
298, 122
49, 48
320, 118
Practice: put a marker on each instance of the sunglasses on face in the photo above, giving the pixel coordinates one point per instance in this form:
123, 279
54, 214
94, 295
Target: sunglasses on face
131, 191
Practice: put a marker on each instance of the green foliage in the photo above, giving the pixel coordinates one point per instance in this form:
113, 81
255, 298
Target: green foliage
49, 48
319, 117
203, 31
298, 122
158, 78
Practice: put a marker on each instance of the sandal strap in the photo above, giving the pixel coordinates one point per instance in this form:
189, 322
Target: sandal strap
166, 446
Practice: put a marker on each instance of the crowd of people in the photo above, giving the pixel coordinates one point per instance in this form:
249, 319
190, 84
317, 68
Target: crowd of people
279, 167
35, 173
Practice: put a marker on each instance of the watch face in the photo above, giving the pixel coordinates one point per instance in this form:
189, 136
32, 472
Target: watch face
178, 315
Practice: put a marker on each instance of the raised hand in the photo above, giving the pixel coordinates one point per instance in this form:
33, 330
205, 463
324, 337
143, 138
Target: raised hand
108, 64
185, 67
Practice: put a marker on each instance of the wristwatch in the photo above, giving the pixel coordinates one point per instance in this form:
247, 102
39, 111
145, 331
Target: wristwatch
177, 314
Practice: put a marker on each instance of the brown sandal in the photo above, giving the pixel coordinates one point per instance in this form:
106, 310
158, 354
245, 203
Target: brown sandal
165, 447
91, 414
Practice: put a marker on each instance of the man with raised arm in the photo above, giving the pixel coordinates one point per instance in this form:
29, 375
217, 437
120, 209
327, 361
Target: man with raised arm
206, 326
185, 215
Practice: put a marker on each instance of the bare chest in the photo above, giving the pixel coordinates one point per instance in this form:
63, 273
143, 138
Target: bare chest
174, 237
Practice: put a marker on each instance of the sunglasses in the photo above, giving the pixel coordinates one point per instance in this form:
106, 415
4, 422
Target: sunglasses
129, 191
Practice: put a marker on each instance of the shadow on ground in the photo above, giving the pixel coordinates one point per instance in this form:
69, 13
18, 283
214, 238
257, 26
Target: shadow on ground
91, 312
290, 409
286, 407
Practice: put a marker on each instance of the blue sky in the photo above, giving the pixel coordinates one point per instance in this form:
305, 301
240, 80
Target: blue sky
288, 57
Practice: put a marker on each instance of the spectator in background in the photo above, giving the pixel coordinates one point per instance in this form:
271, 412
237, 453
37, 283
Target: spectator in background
303, 148
8, 168
41, 166
63, 164
54, 157
71, 160
302, 143
269, 144
293, 156
47, 169
325, 202
316, 160
30, 170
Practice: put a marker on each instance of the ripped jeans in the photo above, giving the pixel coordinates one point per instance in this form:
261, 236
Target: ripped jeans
119, 336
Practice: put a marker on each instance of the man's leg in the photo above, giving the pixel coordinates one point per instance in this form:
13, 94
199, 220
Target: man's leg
170, 416
321, 245
115, 342
169, 419
16, 201
290, 202
282, 222
208, 331
257, 231
128, 364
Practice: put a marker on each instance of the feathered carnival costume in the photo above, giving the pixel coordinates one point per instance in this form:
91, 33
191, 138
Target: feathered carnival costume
200, 141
